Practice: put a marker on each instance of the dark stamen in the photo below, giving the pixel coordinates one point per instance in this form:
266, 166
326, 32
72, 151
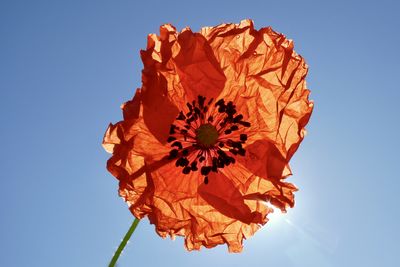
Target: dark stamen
220, 102
183, 162
193, 166
244, 123
173, 153
205, 170
204, 135
172, 129
214, 167
186, 170
233, 151
241, 151
181, 116
201, 100
238, 118
234, 128
170, 139
177, 144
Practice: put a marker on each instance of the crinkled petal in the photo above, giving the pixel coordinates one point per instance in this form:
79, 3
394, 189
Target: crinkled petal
265, 160
177, 68
207, 215
254, 186
267, 82
136, 152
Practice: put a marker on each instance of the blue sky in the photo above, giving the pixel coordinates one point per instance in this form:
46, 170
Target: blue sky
65, 68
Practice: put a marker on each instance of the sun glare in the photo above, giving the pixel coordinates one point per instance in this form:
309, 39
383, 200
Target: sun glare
276, 216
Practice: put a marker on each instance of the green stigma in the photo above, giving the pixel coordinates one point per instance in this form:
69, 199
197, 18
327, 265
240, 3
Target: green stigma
207, 135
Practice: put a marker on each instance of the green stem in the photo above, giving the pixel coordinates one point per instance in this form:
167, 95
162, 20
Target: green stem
123, 243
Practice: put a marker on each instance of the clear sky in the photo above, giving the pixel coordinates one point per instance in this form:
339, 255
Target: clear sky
65, 68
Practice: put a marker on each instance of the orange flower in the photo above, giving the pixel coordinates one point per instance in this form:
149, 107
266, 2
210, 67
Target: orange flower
205, 143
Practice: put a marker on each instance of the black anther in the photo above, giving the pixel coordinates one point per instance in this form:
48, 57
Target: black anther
237, 144
229, 142
220, 162
227, 161
214, 167
221, 153
188, 121
181, 116
220, 102
228, 131
201, 100
173, 153
177, 144
244, 123
172, 129
233, 151
238, 118
193, 166
186, 170
170, 139
234, 128
205, 170
183, 162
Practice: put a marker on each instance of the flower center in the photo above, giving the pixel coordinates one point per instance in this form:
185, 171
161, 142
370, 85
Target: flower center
207, 135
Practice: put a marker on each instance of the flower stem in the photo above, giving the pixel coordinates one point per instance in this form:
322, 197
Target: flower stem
123, 243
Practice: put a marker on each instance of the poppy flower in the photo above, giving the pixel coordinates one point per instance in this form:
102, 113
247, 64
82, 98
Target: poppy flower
204, 146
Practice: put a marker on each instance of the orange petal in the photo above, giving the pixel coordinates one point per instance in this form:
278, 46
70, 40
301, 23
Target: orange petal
266, 81
222, 194
183, 205
132, 144
195, 64
177, 68
265, 160
260, 190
